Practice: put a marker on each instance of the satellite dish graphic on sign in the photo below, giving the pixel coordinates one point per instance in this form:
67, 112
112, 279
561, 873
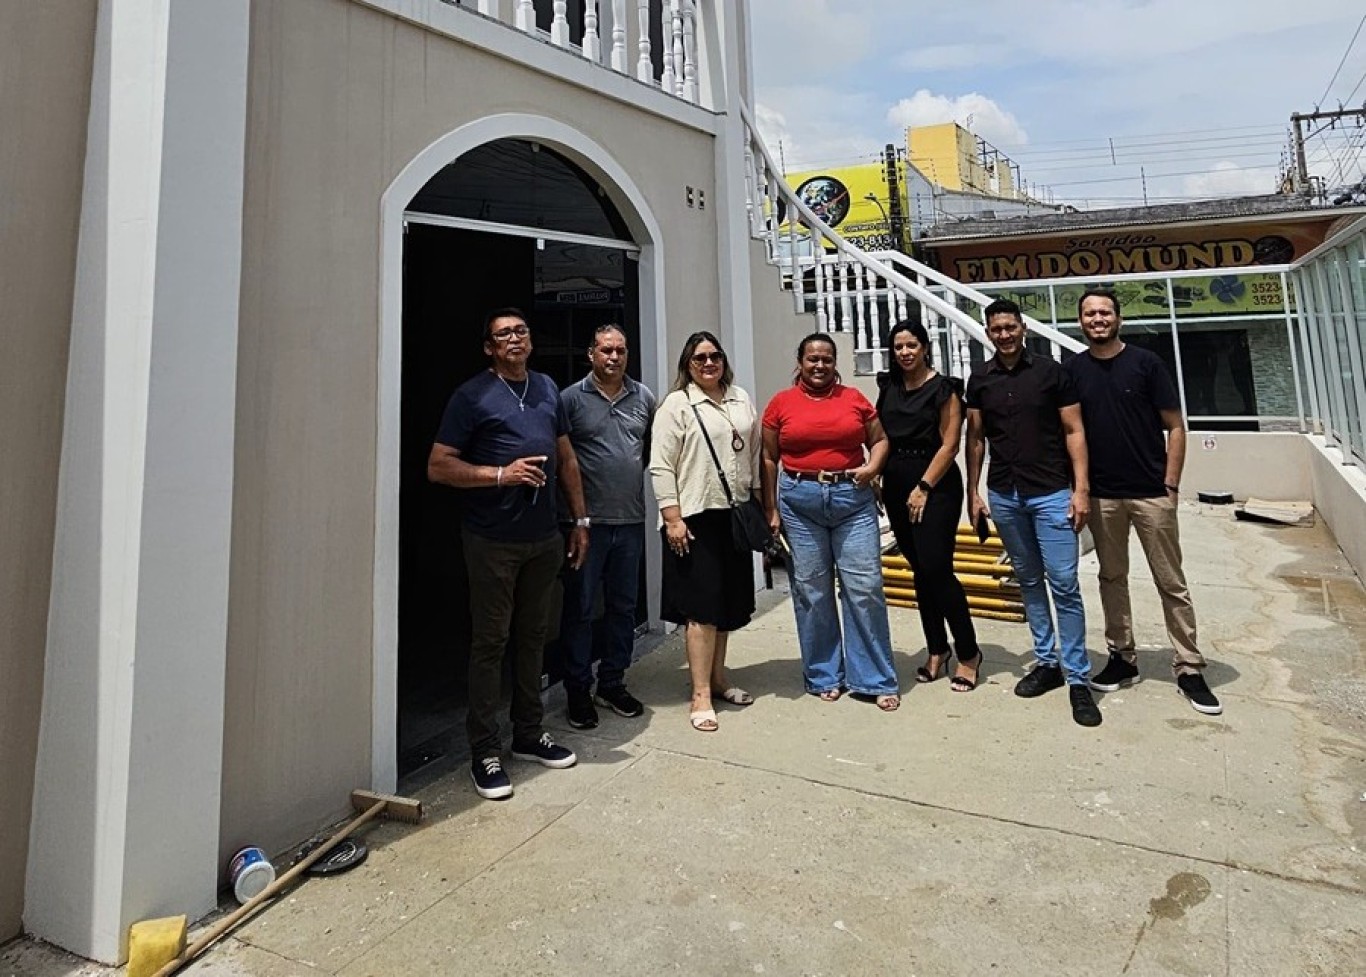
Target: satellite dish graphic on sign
828, 197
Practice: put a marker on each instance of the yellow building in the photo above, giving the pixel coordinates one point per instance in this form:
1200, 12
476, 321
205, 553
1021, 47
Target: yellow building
955, 159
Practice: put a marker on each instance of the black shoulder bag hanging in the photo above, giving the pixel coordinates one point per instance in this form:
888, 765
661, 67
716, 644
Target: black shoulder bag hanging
748, 525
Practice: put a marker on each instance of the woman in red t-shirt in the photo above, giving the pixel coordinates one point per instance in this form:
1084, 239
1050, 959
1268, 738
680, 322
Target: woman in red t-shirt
829, 443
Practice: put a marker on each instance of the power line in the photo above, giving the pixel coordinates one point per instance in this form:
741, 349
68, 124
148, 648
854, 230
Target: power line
1355, 87
1120, 143
1350, 45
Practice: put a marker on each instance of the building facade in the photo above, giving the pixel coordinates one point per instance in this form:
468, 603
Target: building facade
250, 247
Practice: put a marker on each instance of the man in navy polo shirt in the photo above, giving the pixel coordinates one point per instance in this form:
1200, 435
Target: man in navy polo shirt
1026, 407
609, 425
504, 442
1129, 403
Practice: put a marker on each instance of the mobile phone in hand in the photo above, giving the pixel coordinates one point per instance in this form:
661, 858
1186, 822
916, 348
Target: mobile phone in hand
983, 527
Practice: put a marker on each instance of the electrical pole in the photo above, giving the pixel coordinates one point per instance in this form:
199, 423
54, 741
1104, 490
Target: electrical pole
1301, 167
1301, 182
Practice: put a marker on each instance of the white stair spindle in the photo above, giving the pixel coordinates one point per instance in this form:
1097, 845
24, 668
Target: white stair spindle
559, 25
832, 322
619, 36
668, 80
798, 284
675, 51
874, 314
644, 69
690, 51
846, 305
751, 186
592, 43
489, 8
860, 300
526, 16
818, 279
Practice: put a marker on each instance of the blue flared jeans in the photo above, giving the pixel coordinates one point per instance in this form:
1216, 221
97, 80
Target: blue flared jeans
833, 531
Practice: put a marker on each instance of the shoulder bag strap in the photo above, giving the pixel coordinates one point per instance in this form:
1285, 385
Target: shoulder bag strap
730, 499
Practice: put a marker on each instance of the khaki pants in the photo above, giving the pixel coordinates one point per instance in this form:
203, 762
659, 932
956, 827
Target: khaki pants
1154, 520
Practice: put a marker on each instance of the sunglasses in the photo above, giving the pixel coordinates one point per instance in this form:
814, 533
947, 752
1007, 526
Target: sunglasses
701, 359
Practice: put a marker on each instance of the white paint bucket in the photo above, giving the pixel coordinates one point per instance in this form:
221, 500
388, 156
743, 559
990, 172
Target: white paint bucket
250, 871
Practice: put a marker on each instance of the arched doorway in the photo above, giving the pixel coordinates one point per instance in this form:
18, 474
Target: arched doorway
511, 223
534, 216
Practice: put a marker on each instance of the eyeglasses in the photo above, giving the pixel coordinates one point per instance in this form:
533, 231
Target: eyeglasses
503, 335
701, 359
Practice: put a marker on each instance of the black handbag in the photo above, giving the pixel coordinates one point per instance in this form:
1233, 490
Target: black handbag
748, 524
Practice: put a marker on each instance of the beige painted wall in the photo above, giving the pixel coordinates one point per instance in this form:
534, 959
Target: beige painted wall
1268, 465
45, 61
341, 98
1340, 497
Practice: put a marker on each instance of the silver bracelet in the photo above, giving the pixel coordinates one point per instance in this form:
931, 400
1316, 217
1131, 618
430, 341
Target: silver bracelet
498, 479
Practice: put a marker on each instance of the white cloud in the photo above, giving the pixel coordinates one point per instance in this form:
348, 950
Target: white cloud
1226, 179
973, 111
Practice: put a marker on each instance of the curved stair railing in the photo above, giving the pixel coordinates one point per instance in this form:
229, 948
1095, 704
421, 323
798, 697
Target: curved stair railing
852, 291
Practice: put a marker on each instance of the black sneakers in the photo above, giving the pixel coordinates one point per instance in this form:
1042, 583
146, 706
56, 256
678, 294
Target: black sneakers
620, 701
1084, 709
1116, 674
1044, 678
489, 778
545, 752
1193, 687
581, 714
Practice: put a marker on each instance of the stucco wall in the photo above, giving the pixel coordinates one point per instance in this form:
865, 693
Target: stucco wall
45, 63
1268, 465
1340, 497
341, 99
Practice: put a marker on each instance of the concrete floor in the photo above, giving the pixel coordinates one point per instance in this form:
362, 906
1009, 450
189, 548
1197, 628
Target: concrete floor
964, 834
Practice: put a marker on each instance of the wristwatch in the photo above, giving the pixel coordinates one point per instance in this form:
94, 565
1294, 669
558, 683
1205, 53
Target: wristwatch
924, 486
583, 522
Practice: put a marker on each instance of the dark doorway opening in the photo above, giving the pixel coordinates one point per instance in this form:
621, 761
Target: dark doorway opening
452, 276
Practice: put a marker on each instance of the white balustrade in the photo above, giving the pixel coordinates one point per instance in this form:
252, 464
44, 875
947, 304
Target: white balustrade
676, 25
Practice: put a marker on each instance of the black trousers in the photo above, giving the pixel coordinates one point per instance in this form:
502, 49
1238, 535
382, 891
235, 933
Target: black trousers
928, 547
511, 596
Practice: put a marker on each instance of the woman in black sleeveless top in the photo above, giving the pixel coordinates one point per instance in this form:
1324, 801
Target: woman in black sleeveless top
922, 413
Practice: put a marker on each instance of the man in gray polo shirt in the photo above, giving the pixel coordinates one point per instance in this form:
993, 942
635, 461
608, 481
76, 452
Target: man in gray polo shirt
609, 422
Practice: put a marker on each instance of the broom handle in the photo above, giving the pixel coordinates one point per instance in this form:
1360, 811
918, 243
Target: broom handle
269, 892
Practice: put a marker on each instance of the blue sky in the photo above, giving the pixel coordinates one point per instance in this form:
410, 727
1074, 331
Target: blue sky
1196, 92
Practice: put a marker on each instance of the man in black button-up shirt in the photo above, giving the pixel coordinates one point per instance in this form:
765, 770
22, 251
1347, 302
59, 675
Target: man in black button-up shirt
1038, 495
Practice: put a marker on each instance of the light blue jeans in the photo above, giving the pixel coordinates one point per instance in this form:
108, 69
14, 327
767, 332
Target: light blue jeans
1038, 537
833, 528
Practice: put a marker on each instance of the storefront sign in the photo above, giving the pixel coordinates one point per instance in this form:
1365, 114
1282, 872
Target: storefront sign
1136, 251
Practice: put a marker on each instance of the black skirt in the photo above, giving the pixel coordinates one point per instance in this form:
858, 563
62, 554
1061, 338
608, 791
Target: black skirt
712, 584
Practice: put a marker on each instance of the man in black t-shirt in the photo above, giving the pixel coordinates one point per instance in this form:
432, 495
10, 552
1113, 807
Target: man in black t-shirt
504, 441
1128, 402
